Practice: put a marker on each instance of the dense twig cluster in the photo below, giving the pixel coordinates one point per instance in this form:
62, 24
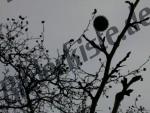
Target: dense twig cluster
32, 81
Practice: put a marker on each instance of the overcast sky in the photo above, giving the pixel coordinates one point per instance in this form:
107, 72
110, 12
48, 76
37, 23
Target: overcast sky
67, 19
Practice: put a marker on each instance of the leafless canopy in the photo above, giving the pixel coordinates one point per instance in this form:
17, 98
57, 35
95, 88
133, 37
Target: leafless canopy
35, 83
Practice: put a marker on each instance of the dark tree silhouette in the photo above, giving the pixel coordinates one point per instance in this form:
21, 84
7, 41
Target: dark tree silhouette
95, 85
33, 82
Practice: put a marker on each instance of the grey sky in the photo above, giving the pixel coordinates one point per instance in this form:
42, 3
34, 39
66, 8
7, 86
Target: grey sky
66, 19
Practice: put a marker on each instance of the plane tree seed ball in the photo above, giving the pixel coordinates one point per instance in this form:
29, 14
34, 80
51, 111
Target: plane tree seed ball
100, 23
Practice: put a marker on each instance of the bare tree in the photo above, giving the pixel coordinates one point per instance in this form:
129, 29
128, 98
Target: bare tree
95, 85
32, 82
35, 83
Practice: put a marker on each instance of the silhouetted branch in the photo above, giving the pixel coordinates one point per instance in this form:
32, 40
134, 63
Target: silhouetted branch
125, 91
